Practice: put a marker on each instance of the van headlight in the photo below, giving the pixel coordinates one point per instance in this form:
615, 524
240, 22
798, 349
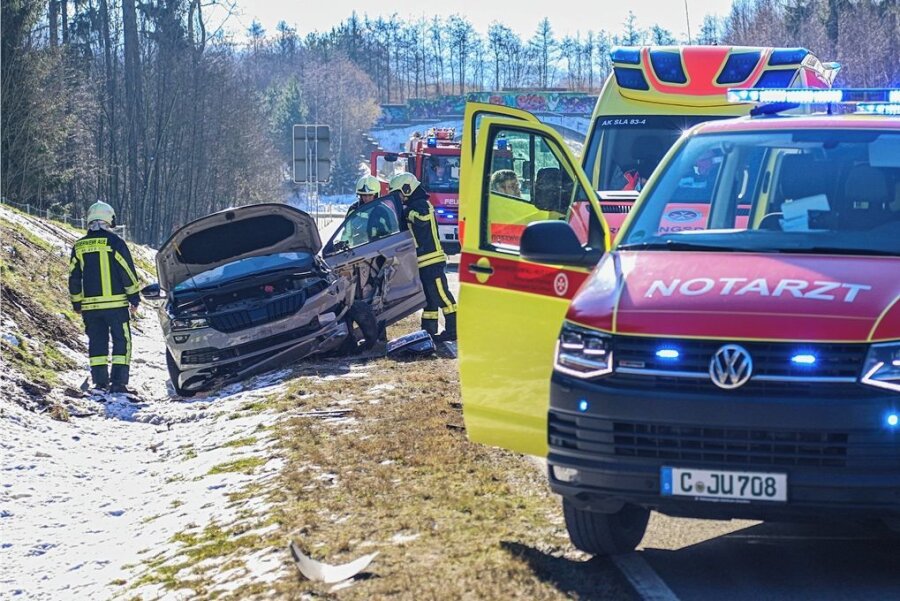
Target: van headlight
882, 366
583, 353
189, 323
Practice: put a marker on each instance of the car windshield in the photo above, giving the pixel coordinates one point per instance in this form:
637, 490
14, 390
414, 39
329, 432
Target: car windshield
440, 173
245, 267
624, 151
811, 190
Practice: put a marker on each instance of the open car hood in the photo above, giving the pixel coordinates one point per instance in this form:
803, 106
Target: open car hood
233, 234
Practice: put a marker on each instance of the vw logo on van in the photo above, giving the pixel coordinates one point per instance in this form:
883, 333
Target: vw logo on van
730, 367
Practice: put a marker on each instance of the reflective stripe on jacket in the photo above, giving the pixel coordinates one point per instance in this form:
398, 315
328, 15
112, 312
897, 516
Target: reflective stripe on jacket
101, 273
423, 225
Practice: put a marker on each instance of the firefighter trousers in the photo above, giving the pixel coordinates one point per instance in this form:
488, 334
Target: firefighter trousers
437, 297
101, 325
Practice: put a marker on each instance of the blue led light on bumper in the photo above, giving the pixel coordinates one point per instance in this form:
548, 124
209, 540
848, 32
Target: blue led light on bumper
892, 420
803, 359
667, 353
582, 405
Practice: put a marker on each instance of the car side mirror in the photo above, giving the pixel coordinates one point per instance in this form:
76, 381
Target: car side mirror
555, 242
153, 292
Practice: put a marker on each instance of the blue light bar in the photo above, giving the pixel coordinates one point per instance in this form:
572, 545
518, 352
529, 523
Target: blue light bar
882, 108
631, 56
804, 359
814, 95
431, 142
787, 56
667, 353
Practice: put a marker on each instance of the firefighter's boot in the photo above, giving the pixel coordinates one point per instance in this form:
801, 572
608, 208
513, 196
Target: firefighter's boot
449, 333
430, 325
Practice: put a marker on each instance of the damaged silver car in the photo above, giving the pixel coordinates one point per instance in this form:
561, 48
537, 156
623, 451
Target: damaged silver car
245, 290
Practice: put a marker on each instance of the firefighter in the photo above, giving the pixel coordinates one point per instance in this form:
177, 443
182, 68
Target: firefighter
103, 287
419, 215
381, 220
367, 189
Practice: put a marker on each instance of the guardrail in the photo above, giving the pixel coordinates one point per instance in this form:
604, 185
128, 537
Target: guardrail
50, 215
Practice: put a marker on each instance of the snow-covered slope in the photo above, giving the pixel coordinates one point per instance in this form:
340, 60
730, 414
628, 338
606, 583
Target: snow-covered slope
90, 505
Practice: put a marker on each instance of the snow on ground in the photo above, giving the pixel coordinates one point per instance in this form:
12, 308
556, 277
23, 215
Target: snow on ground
85, 503
81, 500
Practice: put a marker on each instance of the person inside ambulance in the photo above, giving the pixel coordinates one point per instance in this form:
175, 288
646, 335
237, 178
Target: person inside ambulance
103, 287
419, 216
504, 181
646, 153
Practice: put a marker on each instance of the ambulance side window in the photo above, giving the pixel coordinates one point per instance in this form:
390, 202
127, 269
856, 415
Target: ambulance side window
526, 182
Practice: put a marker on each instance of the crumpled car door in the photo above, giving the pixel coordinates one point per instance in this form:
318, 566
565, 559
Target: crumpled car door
373, 249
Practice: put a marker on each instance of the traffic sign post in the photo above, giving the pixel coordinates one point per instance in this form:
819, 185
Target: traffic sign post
312, 157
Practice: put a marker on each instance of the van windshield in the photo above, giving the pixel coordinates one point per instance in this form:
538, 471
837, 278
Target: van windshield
827, 191
624, 151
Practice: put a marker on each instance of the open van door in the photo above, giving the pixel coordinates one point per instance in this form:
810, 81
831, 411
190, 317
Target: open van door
512, 309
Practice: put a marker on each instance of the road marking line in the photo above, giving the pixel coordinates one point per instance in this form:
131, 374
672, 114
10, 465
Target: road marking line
646, 583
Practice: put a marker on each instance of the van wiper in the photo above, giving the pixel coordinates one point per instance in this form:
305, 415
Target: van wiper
678, 245
842, 250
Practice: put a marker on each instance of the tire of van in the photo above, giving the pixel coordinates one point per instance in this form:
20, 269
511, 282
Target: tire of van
173, 376
360, 315
606, 533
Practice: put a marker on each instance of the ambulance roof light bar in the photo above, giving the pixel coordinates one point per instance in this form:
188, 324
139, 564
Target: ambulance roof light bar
814, 95
879, 101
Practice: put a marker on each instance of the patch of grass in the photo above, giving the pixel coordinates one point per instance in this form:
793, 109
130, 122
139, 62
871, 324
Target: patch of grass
190, 454
244, 466
488, 525
241, 442
176, 503
255, 406
151, 518
118, 582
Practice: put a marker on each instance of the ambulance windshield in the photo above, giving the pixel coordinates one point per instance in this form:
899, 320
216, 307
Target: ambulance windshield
624, 151
825, 190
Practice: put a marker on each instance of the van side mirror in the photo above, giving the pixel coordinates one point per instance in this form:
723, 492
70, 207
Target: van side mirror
555, 242
153, 292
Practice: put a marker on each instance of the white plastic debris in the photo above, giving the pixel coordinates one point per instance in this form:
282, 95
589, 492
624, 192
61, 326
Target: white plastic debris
327, 573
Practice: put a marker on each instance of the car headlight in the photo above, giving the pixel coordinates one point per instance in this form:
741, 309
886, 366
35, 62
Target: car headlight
583, 353
882, 366
189, 323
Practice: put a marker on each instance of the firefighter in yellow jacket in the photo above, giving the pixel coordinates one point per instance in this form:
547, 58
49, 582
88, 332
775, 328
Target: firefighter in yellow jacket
419, 216
103, 286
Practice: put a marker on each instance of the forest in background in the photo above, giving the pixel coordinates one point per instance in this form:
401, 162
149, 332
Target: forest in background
151, 106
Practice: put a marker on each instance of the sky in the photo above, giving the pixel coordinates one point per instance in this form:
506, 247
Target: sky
567, 17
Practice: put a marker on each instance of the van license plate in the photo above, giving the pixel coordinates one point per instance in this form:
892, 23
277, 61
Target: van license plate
714, 484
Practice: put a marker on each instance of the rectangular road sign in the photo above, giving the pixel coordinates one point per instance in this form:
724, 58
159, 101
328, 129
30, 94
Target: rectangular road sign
312, 153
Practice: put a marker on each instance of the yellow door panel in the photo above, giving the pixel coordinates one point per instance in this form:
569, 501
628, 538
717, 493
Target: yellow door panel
511, 310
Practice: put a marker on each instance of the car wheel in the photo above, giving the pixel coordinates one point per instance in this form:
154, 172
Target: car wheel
606, 533
173, 376
360, 317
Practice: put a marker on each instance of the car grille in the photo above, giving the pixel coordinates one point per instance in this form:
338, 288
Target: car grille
721, 446
770, 359
274, 309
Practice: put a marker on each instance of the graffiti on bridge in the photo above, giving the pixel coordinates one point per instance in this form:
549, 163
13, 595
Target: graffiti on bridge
567, 103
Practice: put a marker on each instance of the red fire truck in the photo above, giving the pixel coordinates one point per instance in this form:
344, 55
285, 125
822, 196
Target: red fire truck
434, 159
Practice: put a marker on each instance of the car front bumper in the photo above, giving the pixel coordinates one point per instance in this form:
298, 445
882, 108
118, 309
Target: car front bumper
840, 458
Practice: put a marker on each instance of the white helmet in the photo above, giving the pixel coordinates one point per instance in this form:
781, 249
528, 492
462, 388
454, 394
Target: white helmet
406, 183
101, 211
368, 184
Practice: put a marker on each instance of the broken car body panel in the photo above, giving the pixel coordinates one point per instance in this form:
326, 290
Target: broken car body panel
246, 292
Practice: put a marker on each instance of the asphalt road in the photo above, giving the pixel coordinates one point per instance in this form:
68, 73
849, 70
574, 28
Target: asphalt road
702, 559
